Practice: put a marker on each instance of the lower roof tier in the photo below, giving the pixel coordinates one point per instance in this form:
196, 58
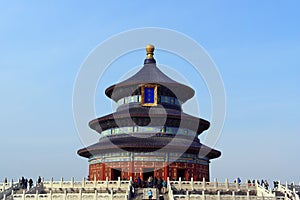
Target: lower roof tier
149, 144
143, 116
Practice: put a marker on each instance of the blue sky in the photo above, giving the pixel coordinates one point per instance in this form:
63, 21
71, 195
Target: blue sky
255, 44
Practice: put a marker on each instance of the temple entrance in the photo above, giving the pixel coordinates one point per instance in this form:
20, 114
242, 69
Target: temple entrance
115, 173
181, 173
147, 172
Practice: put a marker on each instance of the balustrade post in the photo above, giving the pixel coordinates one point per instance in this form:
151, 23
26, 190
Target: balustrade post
83, 182
215, 183
23, 195
187, 195
51, 193
36, 194
233, 195
51, 183
286, 185
180, 184
168, 182
119, 182
203, 195
80, 194
11, 183
95, 182
4, 196
72, 182
204, 184
219, 195
226, 184
61, 182
248, 195
106, 182
192, 183
65, 194
111, 194
247, 185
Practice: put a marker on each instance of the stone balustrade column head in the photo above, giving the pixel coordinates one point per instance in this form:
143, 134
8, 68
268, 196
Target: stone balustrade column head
23, 195
187, 195
80, 193
36, 194
106, 182
215, 183
192, 183
95, 195
203, 183
226, 184
83, 182
119, 182
72, 182
180, 184
65, 194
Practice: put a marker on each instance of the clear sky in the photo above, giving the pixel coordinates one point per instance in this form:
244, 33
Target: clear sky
255, 44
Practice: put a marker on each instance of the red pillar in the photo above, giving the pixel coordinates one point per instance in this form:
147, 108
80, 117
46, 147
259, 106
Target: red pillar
103, 172
131, 170
166, 171
195, 167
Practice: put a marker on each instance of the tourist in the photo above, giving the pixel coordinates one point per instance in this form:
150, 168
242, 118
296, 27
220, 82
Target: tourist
239, 180
150, 194
139, 182
25, 183
276, 183
5, 180
159, 184
154, 182
131, 191
249, 183
253, 182
30, 183
164, 186
150, 182
266, 184
262, 182
39, 180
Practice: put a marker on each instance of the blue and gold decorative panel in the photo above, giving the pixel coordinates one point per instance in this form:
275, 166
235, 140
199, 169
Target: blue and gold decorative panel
149, 95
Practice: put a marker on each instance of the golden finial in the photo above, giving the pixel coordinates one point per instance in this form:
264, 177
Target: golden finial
150, 49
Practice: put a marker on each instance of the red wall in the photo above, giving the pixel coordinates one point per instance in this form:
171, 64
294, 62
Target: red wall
197, 171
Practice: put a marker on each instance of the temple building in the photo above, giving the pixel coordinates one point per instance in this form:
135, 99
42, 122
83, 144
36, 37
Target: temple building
149, 134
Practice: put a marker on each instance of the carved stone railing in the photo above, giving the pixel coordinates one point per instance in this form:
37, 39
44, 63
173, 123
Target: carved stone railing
62, 184
289, 191
212, 186
81, 190
8, 189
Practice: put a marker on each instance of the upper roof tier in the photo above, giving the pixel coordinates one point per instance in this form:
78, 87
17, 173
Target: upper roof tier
149, 74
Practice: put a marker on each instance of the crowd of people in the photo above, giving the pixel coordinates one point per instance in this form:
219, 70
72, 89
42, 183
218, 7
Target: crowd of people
28, 183
263, 183
152, 182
